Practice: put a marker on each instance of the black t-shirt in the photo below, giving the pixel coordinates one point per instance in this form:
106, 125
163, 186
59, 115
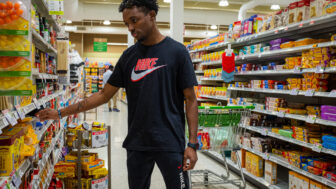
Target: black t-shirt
154, 78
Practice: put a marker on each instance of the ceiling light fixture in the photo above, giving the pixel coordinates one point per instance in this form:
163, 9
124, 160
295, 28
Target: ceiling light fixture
223, 3
68, 21
275, 7
167, 1
106, 22
213, 27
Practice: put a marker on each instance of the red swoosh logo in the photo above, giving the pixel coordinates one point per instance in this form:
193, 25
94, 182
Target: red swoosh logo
137, 77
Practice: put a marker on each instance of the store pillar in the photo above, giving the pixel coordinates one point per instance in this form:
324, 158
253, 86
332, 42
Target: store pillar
176, 20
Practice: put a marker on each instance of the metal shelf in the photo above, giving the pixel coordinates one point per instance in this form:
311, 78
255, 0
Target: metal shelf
276, 54
196, 60
21, 170
38, 75
323, 24
212, 79
27, 109
232, 165
43, 9
42, 44
287, 92
284, 163
44, 159
214, 97
284, 72
297, 117
267, 132
212, 63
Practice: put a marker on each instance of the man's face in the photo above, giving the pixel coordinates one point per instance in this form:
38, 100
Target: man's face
138, 22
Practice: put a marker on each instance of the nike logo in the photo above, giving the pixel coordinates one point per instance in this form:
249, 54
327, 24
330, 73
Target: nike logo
138, 76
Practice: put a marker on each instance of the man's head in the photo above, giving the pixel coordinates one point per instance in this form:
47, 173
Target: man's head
140, 17
111, 68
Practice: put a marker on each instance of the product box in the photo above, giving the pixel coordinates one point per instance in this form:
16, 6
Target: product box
270, 172
86, 157
315, 185
101, 183
99, 163
62, 56
316, 8
99, 138
292, 12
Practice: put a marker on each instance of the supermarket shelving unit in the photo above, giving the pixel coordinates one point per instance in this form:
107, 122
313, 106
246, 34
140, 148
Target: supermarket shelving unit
55, 148
79, 148
313, 27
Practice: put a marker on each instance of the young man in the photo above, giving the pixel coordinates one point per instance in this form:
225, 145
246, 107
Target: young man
106, 77
158, 75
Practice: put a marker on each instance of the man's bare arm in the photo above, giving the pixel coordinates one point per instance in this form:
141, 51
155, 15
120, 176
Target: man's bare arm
93, 101
192, 118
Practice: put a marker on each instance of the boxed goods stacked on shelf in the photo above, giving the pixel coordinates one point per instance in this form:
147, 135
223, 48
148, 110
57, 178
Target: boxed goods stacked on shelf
92, 169
15, 67
280, 58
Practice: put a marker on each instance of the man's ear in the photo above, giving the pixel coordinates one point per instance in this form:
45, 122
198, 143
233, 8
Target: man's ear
152, 15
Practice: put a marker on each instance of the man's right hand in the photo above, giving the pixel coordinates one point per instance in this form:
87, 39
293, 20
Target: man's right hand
47, 114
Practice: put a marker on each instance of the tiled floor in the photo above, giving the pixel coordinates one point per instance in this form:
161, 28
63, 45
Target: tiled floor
118, 122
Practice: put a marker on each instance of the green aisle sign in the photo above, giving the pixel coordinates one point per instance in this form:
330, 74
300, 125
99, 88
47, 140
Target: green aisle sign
100, 46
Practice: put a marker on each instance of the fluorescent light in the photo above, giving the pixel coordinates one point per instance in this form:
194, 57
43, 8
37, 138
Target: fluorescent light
223, 3
275, 7
106, 22
68, 21
167, 1
213, 27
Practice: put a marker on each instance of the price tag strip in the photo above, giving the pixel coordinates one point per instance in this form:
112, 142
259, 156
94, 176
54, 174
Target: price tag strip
294, 92
311, 119
332, 94
310, 92
10, 118
281, 114
37, 103
19, 110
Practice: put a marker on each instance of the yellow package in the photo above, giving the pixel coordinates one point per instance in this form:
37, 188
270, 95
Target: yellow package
65, 167
64, 174
99, 163
16, 83
86, 158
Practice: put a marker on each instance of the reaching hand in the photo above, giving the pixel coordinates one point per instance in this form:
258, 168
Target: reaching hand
47, 114
191, 155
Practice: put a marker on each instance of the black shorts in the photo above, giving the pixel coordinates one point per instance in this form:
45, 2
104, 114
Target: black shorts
140, 165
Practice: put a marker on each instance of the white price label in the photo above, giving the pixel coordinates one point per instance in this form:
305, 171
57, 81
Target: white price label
297, 69
310, 92
42, 101
267, 156
281, 114
311, 119
20, 112
4, 122
259, 55
16, 115
294, 92
99, 139
10, 118
319, 69
317, 148
37, 103
16, 180
332, 93
264, 132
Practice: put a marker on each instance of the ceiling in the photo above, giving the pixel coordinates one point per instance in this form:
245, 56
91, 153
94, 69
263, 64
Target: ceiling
198, 4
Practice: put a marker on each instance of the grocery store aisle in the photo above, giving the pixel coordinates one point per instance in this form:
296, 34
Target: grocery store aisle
118, 121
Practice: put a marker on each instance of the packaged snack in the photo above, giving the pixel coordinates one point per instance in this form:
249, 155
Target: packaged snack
303, 10
329, 7
270, 172
292, 12
14, 17
316, 8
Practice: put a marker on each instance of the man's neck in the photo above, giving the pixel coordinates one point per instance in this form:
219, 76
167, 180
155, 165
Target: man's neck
154, 38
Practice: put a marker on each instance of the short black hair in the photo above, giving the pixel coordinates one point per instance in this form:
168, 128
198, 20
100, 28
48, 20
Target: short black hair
146, 5
111, 67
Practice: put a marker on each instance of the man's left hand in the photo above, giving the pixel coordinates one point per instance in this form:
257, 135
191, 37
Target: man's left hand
191, 155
